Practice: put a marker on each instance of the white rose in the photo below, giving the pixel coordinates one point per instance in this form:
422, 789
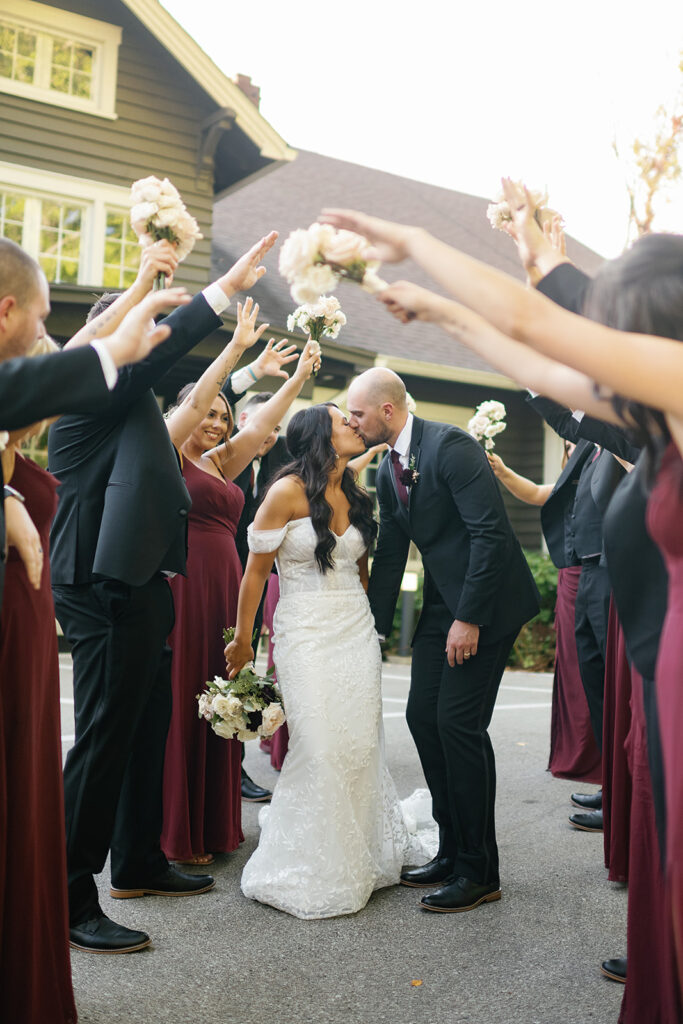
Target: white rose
221, 706
140, 215
309, 287
146, 190
167, 188
244, 735
327, 306
345, 247
226, 730
166, 218
272, 718
296, 255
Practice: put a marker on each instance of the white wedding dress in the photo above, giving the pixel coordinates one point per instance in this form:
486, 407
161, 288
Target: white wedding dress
334, 831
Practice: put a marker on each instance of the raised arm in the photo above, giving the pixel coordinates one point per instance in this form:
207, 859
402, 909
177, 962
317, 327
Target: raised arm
192, 411
642, 367
519, 486
530, 369
277, 509
232, 458
159, 258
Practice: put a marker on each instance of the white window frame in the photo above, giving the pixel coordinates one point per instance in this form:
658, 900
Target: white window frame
95, 197
102, 37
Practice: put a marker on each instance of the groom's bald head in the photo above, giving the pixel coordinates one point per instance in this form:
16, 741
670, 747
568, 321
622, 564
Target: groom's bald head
378, 405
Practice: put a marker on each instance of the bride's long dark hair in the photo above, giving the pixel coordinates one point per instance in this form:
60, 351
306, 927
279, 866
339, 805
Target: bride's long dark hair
309, 440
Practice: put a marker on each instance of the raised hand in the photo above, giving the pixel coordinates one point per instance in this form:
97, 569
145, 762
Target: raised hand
553, 232
248, 270
247, 333
309, 361
137, 334
274, 356
407, 301
158, 258
389, 241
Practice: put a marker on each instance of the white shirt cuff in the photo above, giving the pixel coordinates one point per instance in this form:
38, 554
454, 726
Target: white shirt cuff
111, 374
532, 394
242, 380
216, 298
578, 415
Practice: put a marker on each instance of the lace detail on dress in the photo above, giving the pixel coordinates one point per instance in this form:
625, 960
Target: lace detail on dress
334, 831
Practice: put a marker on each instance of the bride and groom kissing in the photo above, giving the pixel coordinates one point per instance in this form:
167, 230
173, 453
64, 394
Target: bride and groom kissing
334, 832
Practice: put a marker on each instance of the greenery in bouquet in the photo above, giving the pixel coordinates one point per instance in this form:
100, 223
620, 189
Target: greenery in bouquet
246, 707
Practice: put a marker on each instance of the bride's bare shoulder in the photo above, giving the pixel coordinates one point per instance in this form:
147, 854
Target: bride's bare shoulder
289, 496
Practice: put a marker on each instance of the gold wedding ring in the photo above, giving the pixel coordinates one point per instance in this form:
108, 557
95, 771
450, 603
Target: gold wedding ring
468, 654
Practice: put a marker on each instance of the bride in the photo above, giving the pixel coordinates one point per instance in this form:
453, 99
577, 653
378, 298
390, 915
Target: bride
334, 831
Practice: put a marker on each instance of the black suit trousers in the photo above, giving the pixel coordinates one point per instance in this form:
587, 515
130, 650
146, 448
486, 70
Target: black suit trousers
122, 697
449, 711
591, 620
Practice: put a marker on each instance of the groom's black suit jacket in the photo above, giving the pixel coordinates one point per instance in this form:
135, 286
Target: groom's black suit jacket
473, 562
35, 389
123, 504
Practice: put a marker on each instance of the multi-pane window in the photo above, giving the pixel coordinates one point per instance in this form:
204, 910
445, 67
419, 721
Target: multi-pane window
58, 57
121, 251
18, 51
12, 216
71, 68
60, 241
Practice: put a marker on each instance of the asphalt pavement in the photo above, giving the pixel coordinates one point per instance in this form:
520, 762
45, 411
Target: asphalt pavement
532, 958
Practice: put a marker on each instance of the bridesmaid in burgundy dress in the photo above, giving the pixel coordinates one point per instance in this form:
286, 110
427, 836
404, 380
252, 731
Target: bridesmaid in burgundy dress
202, 772
665, 516
573, 751
35, 968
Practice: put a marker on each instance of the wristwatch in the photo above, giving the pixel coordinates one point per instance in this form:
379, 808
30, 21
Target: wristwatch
11, 493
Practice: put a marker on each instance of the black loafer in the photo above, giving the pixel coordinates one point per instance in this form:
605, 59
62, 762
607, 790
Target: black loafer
102, 935
171, 883
615, 969
252, 793
434, 873
590, 801
460, 895
591, 821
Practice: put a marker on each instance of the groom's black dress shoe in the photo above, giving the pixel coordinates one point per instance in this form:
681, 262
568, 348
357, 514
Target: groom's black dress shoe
591, 821
102, 935
171, 882
590, 801
252, 793
459, 895
615, 969
436, 872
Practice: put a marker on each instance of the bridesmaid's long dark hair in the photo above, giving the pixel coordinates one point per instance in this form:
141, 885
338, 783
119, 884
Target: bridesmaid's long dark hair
309, 440
642, 291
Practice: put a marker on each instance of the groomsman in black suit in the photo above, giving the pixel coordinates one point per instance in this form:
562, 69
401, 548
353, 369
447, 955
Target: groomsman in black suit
76, 381
437, 489
120, 529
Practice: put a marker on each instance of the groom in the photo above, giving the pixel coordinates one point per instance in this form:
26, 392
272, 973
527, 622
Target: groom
436, 488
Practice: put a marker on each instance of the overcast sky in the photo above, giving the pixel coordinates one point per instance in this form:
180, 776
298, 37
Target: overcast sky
458, 94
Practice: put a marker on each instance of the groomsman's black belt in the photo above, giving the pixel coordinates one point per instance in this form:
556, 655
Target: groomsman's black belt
590, 559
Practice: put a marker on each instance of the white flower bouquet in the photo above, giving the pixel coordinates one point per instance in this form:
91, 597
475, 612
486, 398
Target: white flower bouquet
314, 260
499, 213
487, 422
323, 318
157, 211
246, 707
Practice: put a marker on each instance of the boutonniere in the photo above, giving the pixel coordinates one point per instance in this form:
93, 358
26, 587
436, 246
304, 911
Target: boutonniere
410, 475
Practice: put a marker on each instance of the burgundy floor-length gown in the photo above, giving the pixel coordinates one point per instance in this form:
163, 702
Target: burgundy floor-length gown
35, 967
574, 753
616, 726
665, 523
202, 797
651, 993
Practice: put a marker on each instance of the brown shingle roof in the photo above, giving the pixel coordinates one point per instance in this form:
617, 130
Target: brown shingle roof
291, 196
